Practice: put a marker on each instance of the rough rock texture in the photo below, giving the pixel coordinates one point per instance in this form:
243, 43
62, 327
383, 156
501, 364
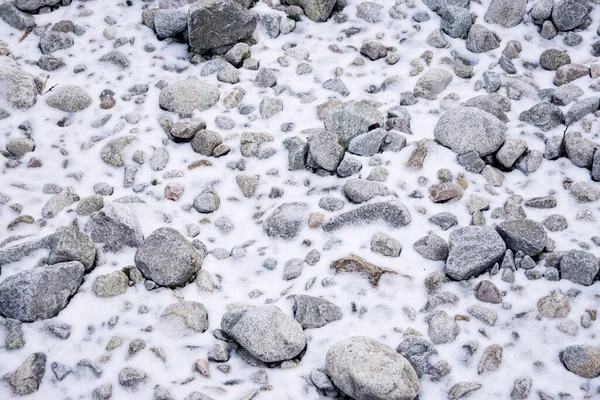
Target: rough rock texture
116, 226
472, 251
18, 88
185, 96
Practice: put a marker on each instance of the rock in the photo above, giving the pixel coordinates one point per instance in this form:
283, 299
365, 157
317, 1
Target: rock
185, 96
51, 41
472, 251
582, 108
393, 213
297, 150
554, 306
442, 328
579, 150
582, 360
270, 107
348, 167
455, 21
462, 390
355, 264
336, 85
470, 129
369, 11
207, 202
287, 220
365, 369
70, 99
487, 292
15, 17
432, 247
58, 202
131, 378
580, 267
523, 235
505, 12
185, 318
480, 39
565, 94
265, 332
490, 360
238, 54
444, 192
116, 226
27, 378
316, 10
170, 22
432, 83
485, 315
418, 351
40, 293
293, 269
360, 190
352, 118
490, 104
374, 50
13, 334
314, 312
386, 245
185, 129
111, 285
569, 14
205, 142
112, 152
215, 23
584, 193
90, 204
367, 144
69, 244
116, 58
553, 59
570, 72
543, 115
521, 388
18, 88
251, 141
510, 152
265, 78
541, 202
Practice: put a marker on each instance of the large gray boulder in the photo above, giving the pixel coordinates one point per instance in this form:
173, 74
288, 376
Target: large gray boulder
525, 235
569, 14
167, 258
287, 220
17, 88
27, 378
185, 96
32, 5
265, 332
466, 129
41, 292
472, 251
582, 360
69, 244
352, 118
363, 368
316, 10
116, 226
15, 17
507, 13
215, 23
393, 213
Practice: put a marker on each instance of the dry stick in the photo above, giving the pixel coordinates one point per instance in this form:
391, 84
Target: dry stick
41, 91
27, 32
51, 88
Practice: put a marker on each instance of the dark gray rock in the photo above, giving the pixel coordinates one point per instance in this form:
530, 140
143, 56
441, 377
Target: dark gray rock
314, 312
27, 378
569, 14
14, 17
580, 267
393, 213
544, 116
418, 351
472, 251
444, 220
132, 378
456, 21
523, 235
553, 59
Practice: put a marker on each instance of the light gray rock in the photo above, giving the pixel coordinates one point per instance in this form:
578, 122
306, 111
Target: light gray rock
580, 267
207, 202
205, 142
462, 390
352, 118
432, 247
363, 368
314, 312
490, 104
293, 269
455, 21
185, 318
367, 144
58, 202
393, 213
565, 94
570, 72
490, 360
369, 11
583, 192
510, 152
432, 83
14, 17
324, 150
581, 108
543, 115
265, 332
18, 88
418, 351
579, 150
40, 293
316, 10
553, 59
297, 150
287, 220
170, 22
505, 12
51, 41
442, 328
385, 244
569, 14
480, 39
361, 190
27, 378
69, 244
132, 378
185, 96
472, 251
110, 285
116, 58
70, 98
90, 204
523, 235
116, 226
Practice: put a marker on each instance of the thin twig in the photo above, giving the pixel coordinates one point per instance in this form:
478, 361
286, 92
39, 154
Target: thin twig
27, 32
44, 85
55, 85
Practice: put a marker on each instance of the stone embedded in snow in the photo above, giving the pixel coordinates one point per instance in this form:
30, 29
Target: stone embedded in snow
581, 108
418, 351
287, 220
393, 213
18, 88
188, 95
467, 129
480, 39
70, 99
455, 21
510, 152
116, 58
432, 247
490, 104
442, 328
569, 14
462, 390
580, 267
361, 190
116, 226
352, 118
316, 10
27, 378
215, 23
472, 251
432, 83
553, 59
523, 235
167, 258
324, 150
314, 312
367, 144
554, 306
110, 285
355, 264
543, 115
58, 202
507, 13
363, 368
112, 152
570, 72
170, 22
185, 318
51, 41
386, 245
69, 244
579, 150
40, 292
15, 17
582, 360
265, 332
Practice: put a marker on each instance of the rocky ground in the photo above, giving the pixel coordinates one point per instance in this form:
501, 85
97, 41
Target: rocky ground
230, 199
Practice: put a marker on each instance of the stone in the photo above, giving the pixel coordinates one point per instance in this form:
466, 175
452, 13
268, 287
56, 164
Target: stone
215, 23
386, 245
367, 144
349, 166
131, 378
40, 293
570, 72
490, 104
437, 39
418, 351
70, 98
462, 390
314, 312
316, 10
69, 244
185, 318
51, 41
186, 96
352, 118
432, 247
265, 332
252, 141
468, 129
393, 213
485, 315
324, 150
554, 306
287, 220
110, 285
27, 378
487, 292
481, 40
444, 192
363, 368
490, 360
205, 142
565, 94
580, 267
293, 269
18, 88
116, 225
455, 21
569, 14
117, 59
544, 116
270, 107
369, 11
374, 50
355, 264
553, 59
472, 251
360, 190
582, 360
584, 193
170, 22
16, 18
523, 235
90, 204
581, 108
112, 152
442, 328
297, 150
432, 83
505, 12
265, 78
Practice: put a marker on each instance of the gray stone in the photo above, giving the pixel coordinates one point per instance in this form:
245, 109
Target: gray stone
487, 292
270, 107
363, 368
581, 108
523, 235
470, 129
27, 378
542, 10
596, 166
131, 378
472, 251
336, 85
110, 285
490, 104
207, 202
40, 293
90, 204
554, 306
445, 192
471, 161
352, 118
314, 312
70, 99
316, 10
185, 96
384, 244
480, 39
393, 213
159, 159
367, 144
293, 269
251, 142
505, 12
167, 258
58, 202
20, 146
569, 14
360, 190
444, 220
50, 63
205, 142
349, 166
442, 328
238, 54
265, 332
324, 150
565, 94
432, 83
215, 23
418, 351
485, 315
116, 226
510, 152
582, 360
170, 22
369, 11
374, 50
116, 58
583, 192
570, 72
265, 78
287, 220
490, 360
544, 116
18, 88
112, 152
553, 59
580, 267
455, 21
462, 390
297, 150
185, 318
69, 244
15, 17
52, 41
432, 247
13, 334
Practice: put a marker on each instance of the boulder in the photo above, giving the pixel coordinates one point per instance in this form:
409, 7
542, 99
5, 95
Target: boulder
116, 225
472, 251
188, 95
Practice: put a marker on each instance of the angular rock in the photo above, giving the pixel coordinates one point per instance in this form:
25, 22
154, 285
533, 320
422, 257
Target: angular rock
505, 12
69, 244
523, 235
472, 251
27, 378
314, 312
352, 118
543, 115
18, 88
116, 226
580, 267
